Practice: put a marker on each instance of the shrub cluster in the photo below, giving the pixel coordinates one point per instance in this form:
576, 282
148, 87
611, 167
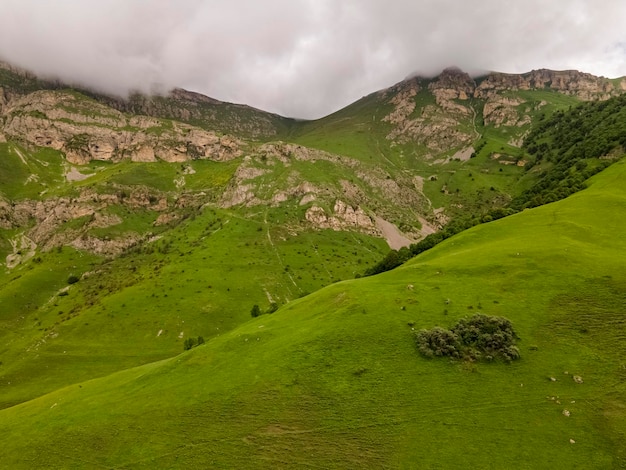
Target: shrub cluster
193, 342
479, 337
256, 310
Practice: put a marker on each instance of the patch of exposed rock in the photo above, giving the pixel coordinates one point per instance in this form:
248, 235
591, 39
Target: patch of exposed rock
585, 86
503, 111
23, 249
47, 218
453, 84
87, 130
164, 219
110, 247
395, 238
343, 217
437, 127
404, 102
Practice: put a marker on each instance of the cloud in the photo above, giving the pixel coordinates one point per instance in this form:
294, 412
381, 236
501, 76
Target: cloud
303, 58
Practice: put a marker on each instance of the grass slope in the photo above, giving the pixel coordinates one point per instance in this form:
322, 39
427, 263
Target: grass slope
200, 279
333, 380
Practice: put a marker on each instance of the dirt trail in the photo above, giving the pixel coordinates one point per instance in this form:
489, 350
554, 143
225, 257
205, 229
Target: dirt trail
21, 155
280, 260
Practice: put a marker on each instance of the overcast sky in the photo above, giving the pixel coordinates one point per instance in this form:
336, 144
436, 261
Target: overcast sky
303, 58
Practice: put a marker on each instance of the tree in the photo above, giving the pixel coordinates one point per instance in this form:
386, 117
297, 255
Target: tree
256, 311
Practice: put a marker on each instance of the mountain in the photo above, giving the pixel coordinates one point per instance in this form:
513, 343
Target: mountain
334, 379
131, 228
179, 105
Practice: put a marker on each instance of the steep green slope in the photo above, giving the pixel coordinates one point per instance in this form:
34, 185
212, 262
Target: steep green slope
200, 279
334, 380
159, 257
459, 136
565, 150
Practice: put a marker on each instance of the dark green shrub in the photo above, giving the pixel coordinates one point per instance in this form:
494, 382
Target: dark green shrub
437, 342
472, 338
72, 279
189, 343
193, 342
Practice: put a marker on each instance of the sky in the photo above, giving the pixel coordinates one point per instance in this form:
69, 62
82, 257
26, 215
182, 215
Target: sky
303, 58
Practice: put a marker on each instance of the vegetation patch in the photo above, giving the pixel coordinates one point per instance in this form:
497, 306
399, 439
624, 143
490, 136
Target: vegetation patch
479, 337
193, 342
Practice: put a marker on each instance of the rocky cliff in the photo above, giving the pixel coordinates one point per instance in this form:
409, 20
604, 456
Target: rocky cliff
440, 113
86, 130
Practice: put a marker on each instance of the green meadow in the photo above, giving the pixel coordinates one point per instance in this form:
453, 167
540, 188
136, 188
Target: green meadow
200, 278
334, 380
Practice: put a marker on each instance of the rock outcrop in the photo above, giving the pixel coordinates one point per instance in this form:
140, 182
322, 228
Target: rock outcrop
438, 127
449, 124
87, 130
584, 86
49, 220
343, 217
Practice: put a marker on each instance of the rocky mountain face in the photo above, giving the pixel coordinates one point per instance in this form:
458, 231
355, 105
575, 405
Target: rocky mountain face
205, 112
439, 115
180, 105
439, 121
436, 125
449, 122
86, 130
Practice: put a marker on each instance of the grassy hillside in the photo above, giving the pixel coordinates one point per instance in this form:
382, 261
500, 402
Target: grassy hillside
333, 380
200, 278
451, 180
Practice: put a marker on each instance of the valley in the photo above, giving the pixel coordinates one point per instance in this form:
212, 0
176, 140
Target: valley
130, 226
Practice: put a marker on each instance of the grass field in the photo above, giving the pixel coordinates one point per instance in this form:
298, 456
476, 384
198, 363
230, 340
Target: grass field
333, 380
200, 279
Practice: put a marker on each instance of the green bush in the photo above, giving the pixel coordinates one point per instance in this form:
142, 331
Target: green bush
193, 342
437, 342
479, 337
72, 279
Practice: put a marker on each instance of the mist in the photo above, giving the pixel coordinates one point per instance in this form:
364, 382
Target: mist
303, 58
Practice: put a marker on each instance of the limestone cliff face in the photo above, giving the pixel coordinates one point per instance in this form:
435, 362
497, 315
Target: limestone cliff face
87, 130
570, 82
438, 126
449, 124
343, 217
